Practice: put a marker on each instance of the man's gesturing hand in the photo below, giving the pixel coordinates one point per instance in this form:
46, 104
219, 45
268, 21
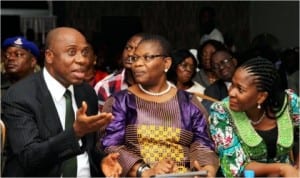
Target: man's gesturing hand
85, 124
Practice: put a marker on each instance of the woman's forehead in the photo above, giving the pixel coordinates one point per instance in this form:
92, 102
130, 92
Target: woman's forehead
148, 46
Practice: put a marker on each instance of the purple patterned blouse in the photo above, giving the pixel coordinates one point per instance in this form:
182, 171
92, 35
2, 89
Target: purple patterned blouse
151, 131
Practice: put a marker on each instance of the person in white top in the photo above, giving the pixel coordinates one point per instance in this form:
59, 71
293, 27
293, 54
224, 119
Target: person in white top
183, 70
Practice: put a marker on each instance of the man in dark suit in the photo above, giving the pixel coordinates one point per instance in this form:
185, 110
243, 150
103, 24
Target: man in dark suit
40, 143
224, 64
20, 58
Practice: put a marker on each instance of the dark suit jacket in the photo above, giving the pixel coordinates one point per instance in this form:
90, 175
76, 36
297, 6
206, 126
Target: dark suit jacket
37, 144
217, 90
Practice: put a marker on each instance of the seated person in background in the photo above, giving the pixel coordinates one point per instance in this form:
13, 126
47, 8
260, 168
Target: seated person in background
46, 137
119, 80
257, 126
183, 70
19, 59
223, 64
206, 76
93, 75
157, 129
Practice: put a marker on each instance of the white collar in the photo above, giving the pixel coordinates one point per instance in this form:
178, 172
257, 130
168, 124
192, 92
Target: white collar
227, 85
56, 89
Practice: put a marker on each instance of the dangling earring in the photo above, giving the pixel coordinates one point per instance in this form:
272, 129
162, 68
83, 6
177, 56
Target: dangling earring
166, 70
258, 106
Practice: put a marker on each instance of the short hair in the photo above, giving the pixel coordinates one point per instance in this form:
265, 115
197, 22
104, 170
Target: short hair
178, 56
225, 50
216, 44
268, 80
163, 42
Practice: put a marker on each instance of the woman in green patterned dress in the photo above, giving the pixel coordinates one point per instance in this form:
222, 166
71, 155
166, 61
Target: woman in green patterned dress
257, 126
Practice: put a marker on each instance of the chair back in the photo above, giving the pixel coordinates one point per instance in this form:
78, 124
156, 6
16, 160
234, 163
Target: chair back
2, 141
3, 134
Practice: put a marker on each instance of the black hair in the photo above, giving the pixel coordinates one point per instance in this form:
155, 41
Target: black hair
178, 56
164, 43
216, 44
225, 50
267, 80
140, 34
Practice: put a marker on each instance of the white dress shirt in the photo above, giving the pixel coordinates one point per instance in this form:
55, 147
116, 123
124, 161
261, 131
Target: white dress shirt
57, 91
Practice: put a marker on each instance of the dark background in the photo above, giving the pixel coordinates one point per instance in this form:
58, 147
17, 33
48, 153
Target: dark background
113, 22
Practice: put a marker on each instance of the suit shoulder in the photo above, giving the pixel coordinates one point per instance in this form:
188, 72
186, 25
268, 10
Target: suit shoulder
27, 86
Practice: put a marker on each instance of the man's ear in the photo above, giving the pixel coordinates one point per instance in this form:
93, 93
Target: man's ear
234, 61
33, 61
49, 56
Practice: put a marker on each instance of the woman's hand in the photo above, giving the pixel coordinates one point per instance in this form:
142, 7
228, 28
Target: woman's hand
273, 169
211, 170
287, 170
111, 166
164, 166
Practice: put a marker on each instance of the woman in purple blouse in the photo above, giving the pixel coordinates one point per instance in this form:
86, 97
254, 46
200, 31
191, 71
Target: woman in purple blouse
157, 129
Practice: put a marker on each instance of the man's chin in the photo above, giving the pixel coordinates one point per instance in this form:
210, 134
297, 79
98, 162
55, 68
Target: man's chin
12, 71
77, 81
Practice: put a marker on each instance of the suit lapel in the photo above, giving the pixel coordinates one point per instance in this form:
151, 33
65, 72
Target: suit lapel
79, 96
51, 117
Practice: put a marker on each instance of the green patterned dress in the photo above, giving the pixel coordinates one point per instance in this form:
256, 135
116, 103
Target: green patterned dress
237, 142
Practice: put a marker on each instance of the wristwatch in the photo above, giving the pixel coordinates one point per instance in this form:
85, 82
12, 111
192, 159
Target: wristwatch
143, 167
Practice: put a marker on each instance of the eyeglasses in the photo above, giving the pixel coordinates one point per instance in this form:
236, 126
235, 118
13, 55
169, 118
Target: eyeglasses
145, 58
222, 63
187, 66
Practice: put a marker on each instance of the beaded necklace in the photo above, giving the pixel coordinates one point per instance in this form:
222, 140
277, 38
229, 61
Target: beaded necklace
259, 120
156, 94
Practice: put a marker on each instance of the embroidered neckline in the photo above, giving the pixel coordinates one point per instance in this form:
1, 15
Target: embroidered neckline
252, 140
